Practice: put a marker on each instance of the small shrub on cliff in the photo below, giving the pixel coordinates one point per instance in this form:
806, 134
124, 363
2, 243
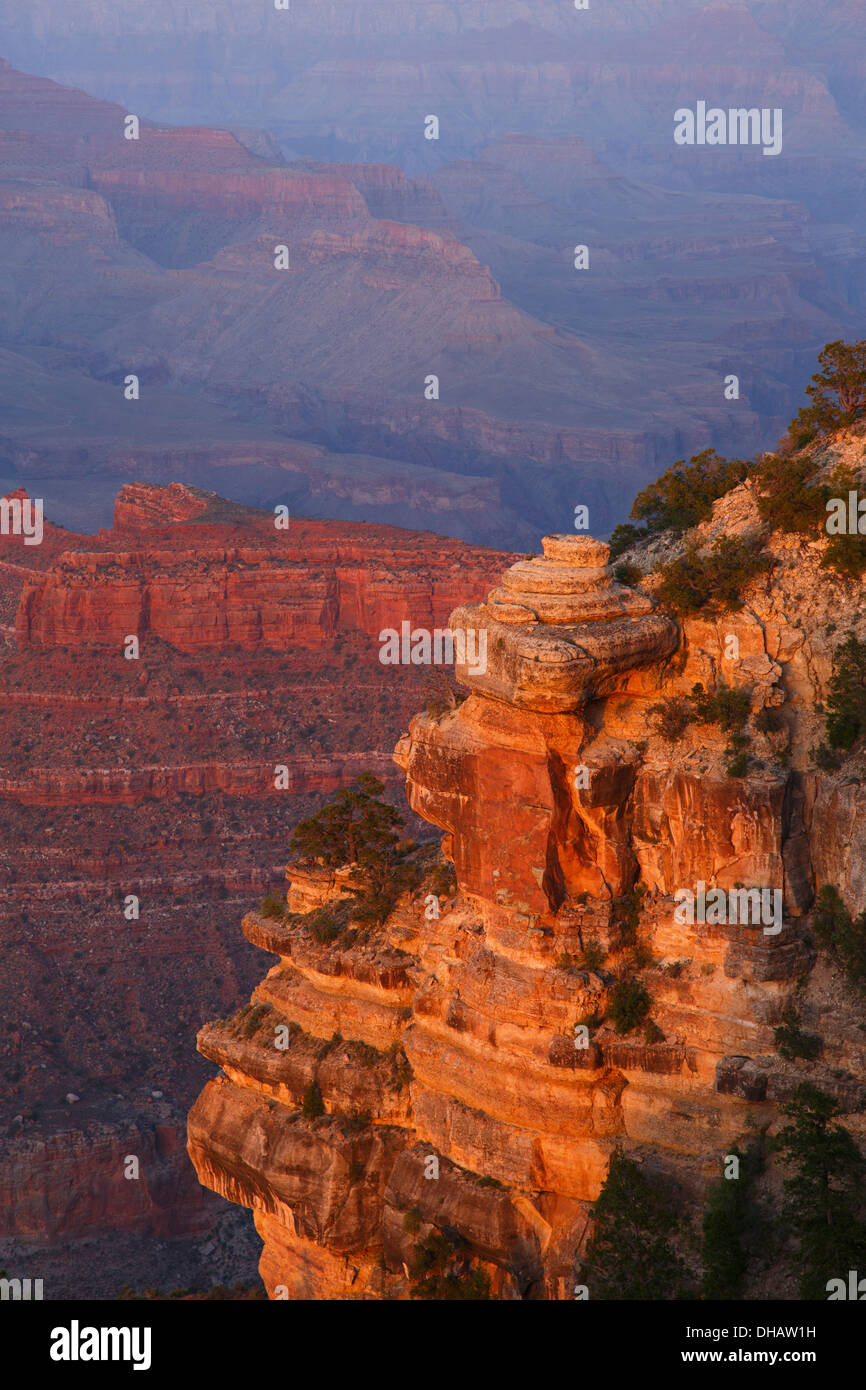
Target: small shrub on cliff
627, 574
726, 706
684, 495
629, 1005
672, 717
846, 701
626, 914
629, 1255
327, 923
273, 906
710, 583
442, 1271
788, 498
841, 934
623, 537
312, 1105
825, 1197
729, 708
591, 957
652, 1033
738, 765
792, 1041
846, 556
640, 955
412, 1221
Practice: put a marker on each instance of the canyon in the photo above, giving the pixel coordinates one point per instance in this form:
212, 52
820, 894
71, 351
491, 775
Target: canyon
453, 1099
320, 322
347, 80
306, 382
154, 780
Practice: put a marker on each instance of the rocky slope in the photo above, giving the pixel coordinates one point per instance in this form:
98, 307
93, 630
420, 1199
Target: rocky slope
571, 823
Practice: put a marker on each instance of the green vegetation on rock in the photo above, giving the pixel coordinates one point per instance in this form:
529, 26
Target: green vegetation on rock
630, 1254
825, 1196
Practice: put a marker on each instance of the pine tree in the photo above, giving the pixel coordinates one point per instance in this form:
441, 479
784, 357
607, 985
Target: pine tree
629, 1254
360, 829
355, 824
846, 701
825, 1203
837, 392
730, 1219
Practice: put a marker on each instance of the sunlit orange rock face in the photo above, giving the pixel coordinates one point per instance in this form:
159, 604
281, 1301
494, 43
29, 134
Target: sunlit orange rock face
459, 1097
558, 634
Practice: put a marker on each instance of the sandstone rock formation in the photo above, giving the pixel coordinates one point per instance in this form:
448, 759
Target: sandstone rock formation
571, 825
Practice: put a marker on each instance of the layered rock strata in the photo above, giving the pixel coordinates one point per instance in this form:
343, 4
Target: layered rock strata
203, 574
154, 779
572, 827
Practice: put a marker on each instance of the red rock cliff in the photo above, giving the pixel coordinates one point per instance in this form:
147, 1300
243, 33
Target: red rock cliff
214, 583
571, 825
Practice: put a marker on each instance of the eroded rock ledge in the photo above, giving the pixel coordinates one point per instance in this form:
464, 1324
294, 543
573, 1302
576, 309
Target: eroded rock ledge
571, 825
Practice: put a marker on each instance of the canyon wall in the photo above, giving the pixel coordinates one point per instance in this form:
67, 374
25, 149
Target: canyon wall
154, 780
271, 588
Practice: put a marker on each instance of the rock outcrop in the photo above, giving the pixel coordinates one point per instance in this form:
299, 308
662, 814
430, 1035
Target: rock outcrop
572, 825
